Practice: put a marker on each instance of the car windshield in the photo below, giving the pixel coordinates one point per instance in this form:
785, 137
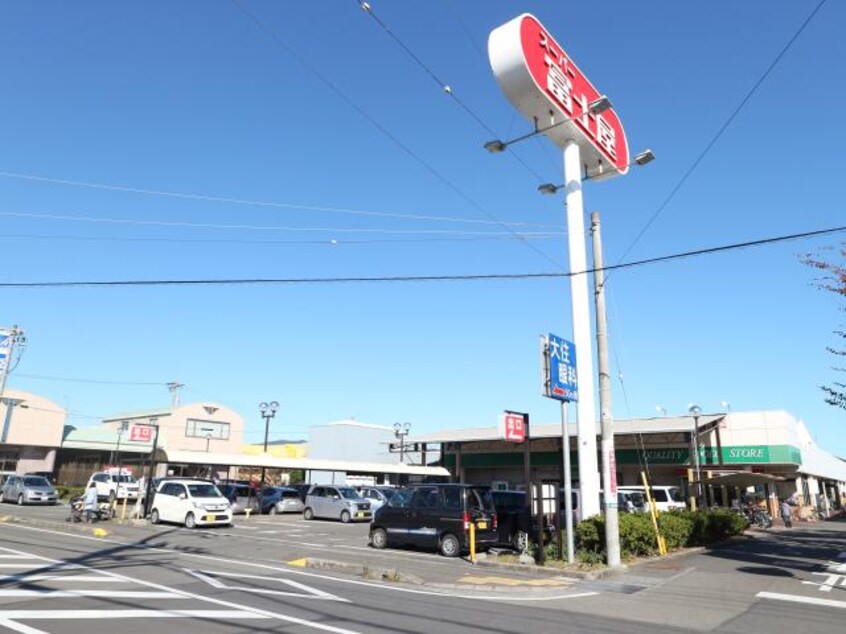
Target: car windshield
123, 478
36, 481
203, 491
479, 499
675, 495
388, 493
349, 493
290, 494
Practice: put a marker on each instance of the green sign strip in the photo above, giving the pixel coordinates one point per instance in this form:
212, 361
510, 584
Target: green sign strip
732, 455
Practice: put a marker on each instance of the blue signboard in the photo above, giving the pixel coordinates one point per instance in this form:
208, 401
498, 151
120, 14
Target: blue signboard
562, 381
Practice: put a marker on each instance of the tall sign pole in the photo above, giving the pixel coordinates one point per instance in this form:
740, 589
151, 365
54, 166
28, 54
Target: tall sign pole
609, 466
9, 337
547, 87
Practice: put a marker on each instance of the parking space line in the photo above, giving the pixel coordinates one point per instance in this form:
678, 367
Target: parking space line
48, 577
795, 598
7, 615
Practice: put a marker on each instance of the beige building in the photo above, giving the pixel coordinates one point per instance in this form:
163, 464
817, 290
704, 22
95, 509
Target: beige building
31, 432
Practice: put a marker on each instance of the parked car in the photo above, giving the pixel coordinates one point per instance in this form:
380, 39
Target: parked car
336, 502
241, 497
281, 500
190, 502
378, 496
437, 516
302, 489
513, 522
29, 489
115, 484
47, 475
667, 498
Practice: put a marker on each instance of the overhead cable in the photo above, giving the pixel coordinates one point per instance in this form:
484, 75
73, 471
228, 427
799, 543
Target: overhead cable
722, 129
416, 278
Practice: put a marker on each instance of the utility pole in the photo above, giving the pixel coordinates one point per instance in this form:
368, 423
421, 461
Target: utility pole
9, 339
609, 466
173, 387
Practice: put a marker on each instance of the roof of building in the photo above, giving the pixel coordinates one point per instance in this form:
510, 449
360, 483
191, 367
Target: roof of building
101, 439
156, 412
664, 425
306, 464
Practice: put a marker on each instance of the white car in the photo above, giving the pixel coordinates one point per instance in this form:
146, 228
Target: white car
190, 502
115, 485
666, 498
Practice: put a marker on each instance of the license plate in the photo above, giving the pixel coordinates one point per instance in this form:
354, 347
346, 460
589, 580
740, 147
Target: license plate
360, 514
209, 518
482, 525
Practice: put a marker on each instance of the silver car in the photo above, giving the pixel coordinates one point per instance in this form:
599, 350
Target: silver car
334, 502
29, 490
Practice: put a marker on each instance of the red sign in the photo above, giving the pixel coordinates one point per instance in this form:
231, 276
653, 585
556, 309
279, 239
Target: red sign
141, 433
544, 83
512, 427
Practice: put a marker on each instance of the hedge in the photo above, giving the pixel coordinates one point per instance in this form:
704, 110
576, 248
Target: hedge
637, 536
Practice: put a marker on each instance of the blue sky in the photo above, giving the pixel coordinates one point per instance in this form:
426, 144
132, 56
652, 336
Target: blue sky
196, 98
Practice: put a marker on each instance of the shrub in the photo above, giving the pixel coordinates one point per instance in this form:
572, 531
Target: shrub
637, 535
65, 492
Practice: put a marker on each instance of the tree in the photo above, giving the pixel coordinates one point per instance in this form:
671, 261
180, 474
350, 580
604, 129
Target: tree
833, 280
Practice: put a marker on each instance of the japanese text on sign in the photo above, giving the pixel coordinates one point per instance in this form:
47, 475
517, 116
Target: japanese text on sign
512, 427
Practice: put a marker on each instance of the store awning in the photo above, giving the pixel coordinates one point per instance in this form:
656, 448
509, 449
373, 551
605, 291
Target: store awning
306, 464
743, 479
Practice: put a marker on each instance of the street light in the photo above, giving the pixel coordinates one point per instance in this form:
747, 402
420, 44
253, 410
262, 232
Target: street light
401, 431
661, 410
268, 411
647, 156
597, 106
696, 411
726, 406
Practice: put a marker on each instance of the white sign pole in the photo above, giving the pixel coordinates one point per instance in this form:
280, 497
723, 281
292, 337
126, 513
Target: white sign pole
580, 304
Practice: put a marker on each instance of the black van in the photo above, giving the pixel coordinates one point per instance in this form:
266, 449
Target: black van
436, 516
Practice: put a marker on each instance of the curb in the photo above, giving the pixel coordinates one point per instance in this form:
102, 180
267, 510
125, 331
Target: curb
544, 571
79, 529
358, 570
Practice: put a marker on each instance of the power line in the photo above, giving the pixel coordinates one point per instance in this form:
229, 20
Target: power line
256, 203
65, 379
228, 227
372, 121
445, 87
420, 278
323, 242
722, 129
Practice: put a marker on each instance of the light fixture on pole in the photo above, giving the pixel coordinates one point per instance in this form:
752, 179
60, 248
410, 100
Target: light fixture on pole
268, 412
645, 157
696, 411
661, 410
597, 106
726, 406
400, 432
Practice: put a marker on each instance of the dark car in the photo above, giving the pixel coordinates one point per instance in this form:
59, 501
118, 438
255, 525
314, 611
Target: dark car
437, 516
302, 489
275, 500
513, 523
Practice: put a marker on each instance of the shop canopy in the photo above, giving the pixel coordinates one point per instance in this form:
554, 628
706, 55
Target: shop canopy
743, 479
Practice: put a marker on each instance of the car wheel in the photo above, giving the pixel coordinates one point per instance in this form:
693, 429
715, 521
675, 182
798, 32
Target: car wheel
190, 521
345, 517
308, 514
450, 546
379, 538
154, 516
20, 499
273, 510
520, 541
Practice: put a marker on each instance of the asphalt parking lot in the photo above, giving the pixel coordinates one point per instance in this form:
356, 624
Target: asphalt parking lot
276, 538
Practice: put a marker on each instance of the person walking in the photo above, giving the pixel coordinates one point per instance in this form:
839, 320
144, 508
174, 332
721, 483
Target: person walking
91, 503
786, 514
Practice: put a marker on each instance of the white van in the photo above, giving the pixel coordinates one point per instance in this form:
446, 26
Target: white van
190, 502
667, 498
114, 484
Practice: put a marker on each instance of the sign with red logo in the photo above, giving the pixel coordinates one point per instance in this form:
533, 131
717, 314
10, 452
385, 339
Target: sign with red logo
141, 433
512, 427
547, 87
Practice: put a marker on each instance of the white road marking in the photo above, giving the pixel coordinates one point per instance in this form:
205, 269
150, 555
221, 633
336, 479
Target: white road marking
15, 557
8, 615
307, 592
20, 627
291, 571
105, 594
29, 615
775, 596
73, 578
